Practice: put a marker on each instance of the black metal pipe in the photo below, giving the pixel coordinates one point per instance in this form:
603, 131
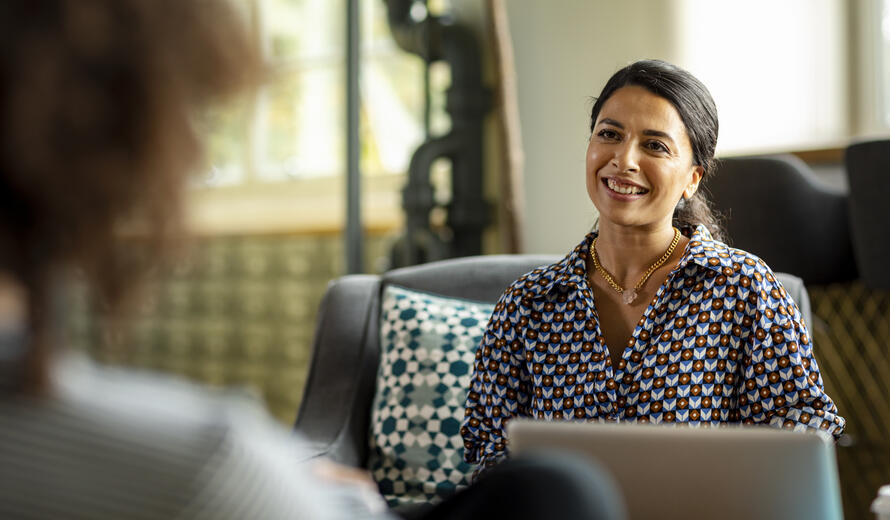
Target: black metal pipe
353, 178
436, 39
418, 200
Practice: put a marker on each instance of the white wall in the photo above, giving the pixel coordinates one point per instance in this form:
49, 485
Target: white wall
866, 58
565, 51
777, 70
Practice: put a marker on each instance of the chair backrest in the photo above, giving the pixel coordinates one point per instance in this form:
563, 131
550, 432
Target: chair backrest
776, 207
335, 412
868, 165
480, 278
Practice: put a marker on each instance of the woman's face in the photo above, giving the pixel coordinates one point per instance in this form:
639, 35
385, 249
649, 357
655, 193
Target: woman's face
639, 160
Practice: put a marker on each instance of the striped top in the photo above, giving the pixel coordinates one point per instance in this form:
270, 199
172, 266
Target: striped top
118, 444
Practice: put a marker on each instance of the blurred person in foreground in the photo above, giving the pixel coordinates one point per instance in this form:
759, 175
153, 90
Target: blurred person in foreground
97, 101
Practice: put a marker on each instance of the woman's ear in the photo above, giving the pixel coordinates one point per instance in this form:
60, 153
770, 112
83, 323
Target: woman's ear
692, 187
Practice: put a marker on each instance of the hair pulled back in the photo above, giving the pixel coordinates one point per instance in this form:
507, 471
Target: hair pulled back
693, 102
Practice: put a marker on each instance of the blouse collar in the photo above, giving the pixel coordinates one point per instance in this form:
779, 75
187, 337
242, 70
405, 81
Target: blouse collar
702, 250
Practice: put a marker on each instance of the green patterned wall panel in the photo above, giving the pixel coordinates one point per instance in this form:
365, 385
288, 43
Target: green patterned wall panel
237, 311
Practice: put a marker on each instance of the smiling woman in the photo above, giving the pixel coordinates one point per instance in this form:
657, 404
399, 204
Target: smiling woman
650, 319
639, 161
676, 97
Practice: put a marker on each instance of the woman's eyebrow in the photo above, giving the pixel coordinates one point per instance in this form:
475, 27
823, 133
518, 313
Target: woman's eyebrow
611, 122
658, 133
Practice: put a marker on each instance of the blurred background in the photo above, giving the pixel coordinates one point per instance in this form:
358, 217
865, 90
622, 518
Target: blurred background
501, 119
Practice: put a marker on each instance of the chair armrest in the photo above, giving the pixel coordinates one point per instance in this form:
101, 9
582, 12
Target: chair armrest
334, 413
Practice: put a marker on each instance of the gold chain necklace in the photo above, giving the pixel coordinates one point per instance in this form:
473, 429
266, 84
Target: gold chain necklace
628, 296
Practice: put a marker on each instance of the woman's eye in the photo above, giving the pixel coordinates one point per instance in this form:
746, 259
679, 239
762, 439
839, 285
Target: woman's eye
605, 133
657, 146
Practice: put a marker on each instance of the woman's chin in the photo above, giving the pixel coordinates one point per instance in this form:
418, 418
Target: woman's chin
628, 220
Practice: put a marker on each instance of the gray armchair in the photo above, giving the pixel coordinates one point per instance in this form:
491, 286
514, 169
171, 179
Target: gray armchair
335, 413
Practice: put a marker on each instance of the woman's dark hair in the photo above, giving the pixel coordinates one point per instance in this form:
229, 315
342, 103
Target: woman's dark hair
693, 102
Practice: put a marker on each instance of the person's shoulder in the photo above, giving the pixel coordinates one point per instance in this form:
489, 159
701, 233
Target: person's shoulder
747, 261
162, 412
541, 279
148, 395
737, 259
752, 270
534, 277
205, 441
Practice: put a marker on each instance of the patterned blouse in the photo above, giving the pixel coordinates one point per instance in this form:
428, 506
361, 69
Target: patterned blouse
721, 342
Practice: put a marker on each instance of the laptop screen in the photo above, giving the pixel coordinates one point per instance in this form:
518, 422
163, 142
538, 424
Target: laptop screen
678, 472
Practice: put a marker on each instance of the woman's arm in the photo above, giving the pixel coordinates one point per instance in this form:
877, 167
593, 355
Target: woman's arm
781, 383
495, 393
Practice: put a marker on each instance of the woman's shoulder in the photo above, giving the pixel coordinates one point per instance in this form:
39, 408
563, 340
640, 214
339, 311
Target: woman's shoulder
730, 260
720, 254
568, 270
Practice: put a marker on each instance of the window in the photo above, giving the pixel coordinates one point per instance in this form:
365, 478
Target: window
277, 155
777, 70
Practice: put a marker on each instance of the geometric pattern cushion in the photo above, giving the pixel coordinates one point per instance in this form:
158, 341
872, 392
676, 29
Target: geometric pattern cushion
428, 348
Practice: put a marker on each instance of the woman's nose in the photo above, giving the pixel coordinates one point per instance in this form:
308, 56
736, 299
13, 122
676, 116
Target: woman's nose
625, 158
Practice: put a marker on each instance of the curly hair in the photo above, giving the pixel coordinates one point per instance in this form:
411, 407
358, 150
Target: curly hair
98, 98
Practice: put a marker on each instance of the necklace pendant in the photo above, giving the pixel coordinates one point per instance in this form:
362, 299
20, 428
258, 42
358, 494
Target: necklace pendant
628, 296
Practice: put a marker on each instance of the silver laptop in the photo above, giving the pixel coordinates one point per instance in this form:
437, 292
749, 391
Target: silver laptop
730, 473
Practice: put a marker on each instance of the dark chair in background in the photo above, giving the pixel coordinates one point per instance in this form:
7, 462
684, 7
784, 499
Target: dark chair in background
838, 243
335, 414
868, 171
776, 208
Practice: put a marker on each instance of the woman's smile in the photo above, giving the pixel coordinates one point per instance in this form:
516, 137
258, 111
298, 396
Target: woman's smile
624, 190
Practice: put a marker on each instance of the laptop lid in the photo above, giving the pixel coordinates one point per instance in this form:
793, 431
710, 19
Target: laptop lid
729, 473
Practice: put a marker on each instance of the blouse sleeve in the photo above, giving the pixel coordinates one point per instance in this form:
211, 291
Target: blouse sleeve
781, 383
495, 393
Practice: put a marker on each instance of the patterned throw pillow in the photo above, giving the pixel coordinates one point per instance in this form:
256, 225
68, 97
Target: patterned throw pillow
428, 346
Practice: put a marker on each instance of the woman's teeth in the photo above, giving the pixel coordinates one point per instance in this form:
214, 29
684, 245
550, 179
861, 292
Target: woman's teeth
625, 189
